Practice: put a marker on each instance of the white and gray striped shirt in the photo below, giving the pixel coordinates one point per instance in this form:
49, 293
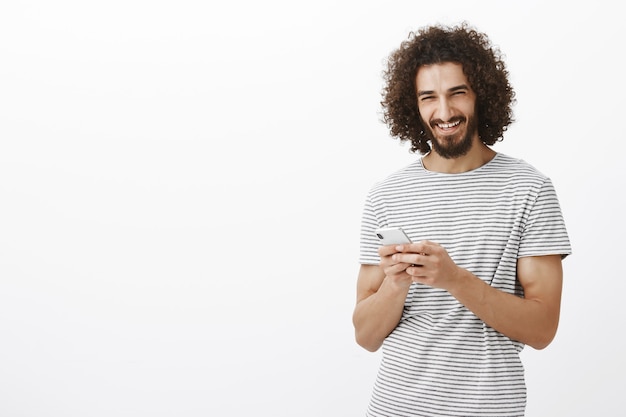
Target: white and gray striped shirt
442, 360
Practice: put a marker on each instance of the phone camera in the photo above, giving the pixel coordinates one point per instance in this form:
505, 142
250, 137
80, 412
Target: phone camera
379, 235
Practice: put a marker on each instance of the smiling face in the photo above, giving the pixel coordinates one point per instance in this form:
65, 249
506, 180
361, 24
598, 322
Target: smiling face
447, 105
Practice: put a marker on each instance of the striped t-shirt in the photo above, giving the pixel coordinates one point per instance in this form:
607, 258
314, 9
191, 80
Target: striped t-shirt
442, 360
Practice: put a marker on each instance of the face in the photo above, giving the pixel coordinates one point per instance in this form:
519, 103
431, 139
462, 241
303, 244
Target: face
447, 105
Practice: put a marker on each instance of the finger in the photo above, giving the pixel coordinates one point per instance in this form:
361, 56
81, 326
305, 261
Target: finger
428, 247
399, 271
417, 247
409, 258
400, 267
415, 269
387, 250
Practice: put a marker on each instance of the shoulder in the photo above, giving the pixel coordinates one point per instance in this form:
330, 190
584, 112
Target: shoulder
399, 179
515, 169
509, 163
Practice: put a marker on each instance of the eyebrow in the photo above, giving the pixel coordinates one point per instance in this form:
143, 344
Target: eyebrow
450, 90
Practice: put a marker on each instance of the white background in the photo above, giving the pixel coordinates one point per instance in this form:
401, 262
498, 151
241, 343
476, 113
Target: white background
181, 186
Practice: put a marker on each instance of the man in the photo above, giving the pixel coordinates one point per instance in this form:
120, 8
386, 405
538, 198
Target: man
483, 277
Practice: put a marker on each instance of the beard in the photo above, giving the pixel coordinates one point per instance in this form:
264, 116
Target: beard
452, 146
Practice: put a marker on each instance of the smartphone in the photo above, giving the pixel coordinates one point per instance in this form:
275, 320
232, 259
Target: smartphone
392, 236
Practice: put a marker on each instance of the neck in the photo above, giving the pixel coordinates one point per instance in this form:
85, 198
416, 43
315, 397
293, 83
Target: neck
478, 156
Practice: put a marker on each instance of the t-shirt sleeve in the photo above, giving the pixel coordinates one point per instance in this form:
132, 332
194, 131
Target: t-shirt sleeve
368, 241
544, 231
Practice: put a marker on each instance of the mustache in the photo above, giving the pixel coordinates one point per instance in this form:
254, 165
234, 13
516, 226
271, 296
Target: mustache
433, 123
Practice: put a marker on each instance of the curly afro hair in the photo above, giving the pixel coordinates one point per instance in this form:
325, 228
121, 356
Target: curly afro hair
482, 64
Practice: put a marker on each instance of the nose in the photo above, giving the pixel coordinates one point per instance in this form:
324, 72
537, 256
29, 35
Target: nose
444, 110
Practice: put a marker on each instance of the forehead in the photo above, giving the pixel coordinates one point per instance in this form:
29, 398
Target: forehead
441, 76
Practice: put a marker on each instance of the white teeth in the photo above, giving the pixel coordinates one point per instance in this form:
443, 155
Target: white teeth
449, 125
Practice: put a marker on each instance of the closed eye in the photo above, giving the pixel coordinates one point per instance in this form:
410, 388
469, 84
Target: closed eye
460, 89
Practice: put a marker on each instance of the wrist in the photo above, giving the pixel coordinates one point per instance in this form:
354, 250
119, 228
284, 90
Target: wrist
460, 280
397, 284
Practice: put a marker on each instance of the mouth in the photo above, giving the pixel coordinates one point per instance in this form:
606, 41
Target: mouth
447, 127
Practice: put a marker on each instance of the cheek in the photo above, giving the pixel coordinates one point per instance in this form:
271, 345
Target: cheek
468, 106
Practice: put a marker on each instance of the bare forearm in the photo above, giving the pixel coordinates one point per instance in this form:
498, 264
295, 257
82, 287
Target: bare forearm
377, 315
529, 321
